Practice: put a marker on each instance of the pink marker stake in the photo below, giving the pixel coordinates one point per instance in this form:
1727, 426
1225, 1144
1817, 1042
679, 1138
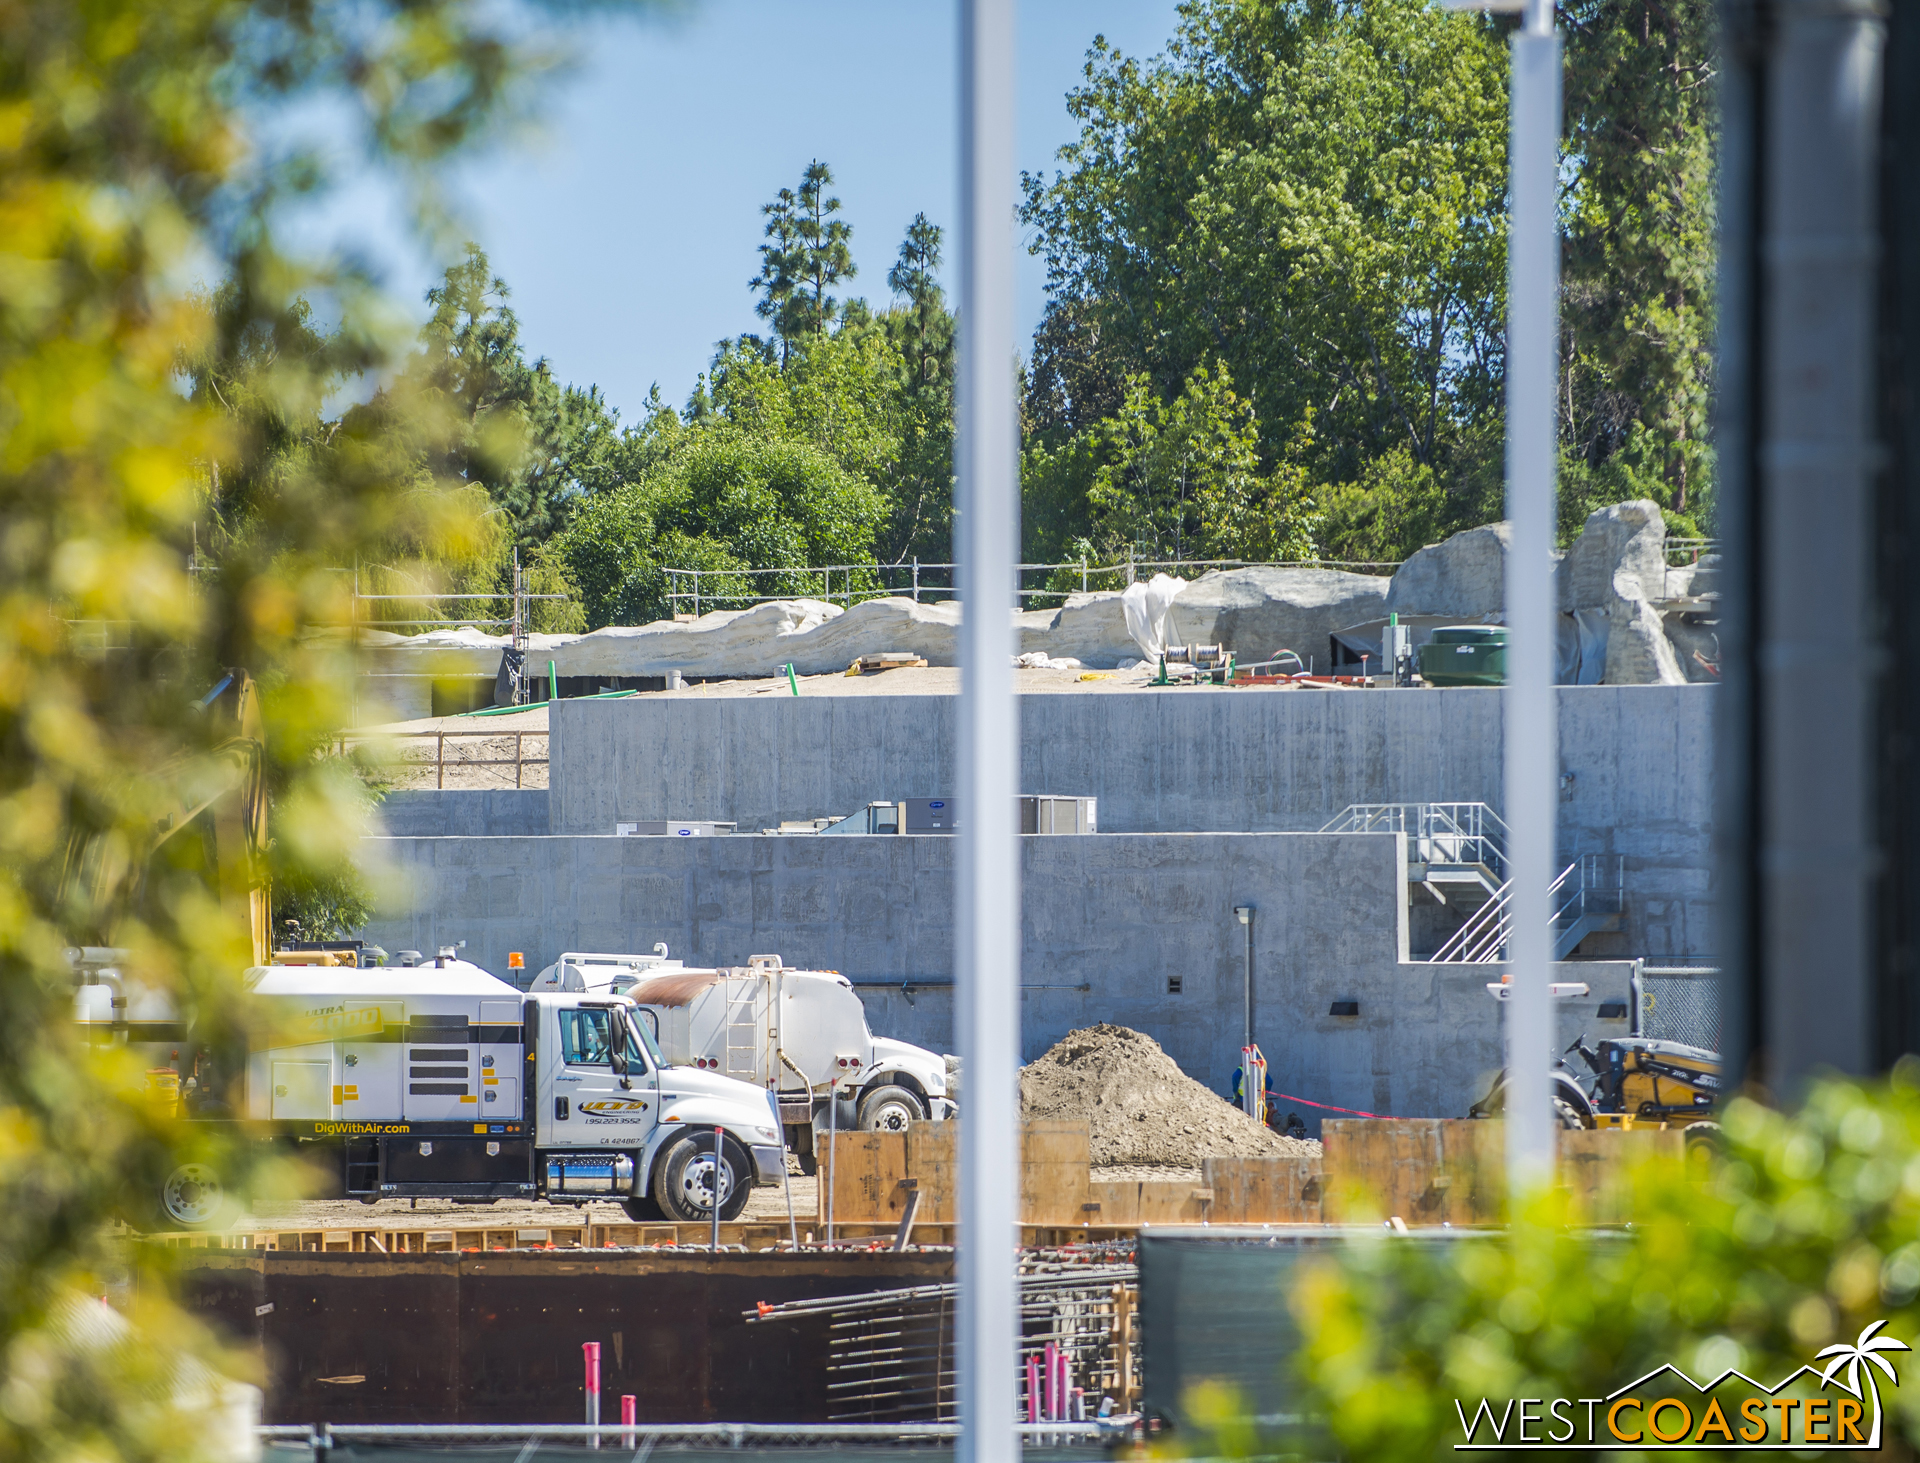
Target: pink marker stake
591, 1351
1053, 1383
629, 1410
1033, 1389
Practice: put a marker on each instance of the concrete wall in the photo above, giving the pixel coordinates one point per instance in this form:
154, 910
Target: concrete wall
1118, 914
1635, 761
465, 813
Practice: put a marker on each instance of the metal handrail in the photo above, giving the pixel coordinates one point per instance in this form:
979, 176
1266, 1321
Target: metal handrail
914, 588
1482, 939
1460, 833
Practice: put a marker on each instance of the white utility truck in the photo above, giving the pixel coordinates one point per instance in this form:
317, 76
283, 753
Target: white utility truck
801, 1032
439, 1080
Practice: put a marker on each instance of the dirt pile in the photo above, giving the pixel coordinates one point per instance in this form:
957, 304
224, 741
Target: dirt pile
1143, 1108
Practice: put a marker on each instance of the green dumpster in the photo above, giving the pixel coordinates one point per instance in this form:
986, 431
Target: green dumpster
1465, 655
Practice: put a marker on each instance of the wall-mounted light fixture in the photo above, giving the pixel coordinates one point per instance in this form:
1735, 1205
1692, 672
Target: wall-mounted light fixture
1345, 1008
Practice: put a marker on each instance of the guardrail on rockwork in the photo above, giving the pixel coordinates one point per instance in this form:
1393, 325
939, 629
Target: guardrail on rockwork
879, 581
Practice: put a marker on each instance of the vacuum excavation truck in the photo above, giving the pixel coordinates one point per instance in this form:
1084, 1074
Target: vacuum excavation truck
439, 1080
801, 1033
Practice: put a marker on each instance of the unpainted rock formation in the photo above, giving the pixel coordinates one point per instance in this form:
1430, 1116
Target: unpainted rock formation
1257, 611
1611, 588
1619, 565
1142, 1108
1466, 576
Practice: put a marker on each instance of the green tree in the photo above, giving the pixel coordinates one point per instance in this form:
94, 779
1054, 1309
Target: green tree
808, 253
1178, 479
1638, 313
129, 165
921, 329
1310, 193
532, 443
723, 498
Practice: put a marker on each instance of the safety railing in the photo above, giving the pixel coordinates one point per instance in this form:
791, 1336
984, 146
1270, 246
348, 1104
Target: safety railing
912, 578
1437, 833
440, 762
1591, 885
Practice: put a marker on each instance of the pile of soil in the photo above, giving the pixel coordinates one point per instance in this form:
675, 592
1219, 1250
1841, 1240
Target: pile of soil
1144, 1110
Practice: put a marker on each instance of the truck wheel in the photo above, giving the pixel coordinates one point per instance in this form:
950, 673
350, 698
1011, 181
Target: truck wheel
889, 1110
193, 1198
686, 1182
644, 1210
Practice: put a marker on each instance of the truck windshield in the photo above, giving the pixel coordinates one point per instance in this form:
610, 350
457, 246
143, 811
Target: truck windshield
637, 1028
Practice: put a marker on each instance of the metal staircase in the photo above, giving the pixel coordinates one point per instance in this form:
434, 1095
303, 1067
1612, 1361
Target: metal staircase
1457, 852
1587, 898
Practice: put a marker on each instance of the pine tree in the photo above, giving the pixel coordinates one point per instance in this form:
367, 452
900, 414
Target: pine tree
808, 252
923, 331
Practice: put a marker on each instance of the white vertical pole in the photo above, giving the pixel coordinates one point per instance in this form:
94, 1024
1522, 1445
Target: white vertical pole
1532, 738
987, 930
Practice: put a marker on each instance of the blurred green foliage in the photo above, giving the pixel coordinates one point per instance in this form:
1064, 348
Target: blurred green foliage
1804, 1233
166, 512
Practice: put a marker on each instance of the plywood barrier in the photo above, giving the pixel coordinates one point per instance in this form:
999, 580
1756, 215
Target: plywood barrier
871, 1175
1432, 1171
1134, 1202
1265, 1190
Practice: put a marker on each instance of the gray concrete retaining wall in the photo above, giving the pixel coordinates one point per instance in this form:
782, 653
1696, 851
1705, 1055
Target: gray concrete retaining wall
1118, 914
465, 813
1635, 763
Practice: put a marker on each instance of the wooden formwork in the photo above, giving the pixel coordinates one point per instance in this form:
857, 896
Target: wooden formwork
1425, 1171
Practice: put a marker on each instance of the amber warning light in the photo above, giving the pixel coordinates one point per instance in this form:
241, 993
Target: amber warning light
516, 960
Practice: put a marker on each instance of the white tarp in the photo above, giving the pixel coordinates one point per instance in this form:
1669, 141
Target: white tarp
1146, 606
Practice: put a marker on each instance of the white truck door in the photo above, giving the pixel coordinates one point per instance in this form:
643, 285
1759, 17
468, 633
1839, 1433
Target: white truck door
584, 1103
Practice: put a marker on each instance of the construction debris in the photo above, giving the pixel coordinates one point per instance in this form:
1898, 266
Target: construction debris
888, 660
1143, 1109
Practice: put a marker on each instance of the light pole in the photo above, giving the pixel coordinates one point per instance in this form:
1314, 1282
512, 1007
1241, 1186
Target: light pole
1531, 730
1531, 733
987, 927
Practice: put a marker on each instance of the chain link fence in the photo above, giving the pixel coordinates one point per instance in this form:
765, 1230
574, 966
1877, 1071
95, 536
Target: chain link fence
1679, 1003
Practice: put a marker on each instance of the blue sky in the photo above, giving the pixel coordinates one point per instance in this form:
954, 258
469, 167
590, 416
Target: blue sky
629, 227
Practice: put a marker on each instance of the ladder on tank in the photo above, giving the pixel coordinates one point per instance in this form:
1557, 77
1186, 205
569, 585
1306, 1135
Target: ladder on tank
741, 1055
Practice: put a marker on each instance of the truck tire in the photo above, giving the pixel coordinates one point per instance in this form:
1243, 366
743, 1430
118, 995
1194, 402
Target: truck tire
643, 1210
684, 1181
193, 1197
890, 1109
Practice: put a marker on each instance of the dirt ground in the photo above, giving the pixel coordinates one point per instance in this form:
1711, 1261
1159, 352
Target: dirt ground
1143, 1108
765, 1205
